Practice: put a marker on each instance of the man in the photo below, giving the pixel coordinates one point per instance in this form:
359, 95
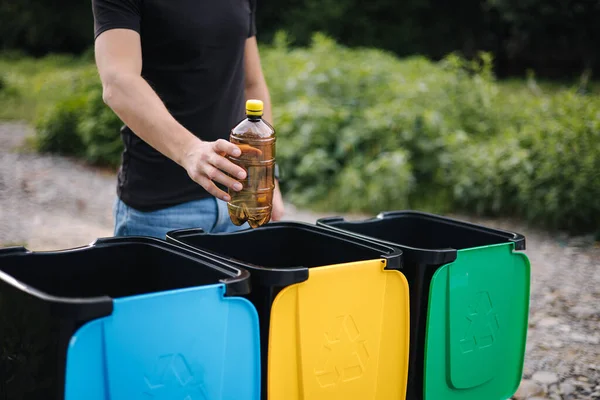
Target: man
177, 73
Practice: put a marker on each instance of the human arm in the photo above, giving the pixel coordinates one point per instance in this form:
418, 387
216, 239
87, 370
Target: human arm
126, 92
256, 88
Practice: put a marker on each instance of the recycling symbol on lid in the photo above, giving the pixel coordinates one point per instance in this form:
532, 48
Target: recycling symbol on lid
344, 354
483, 324
173, 379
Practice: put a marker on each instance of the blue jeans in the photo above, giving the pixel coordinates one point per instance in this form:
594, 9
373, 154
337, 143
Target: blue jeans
210, 214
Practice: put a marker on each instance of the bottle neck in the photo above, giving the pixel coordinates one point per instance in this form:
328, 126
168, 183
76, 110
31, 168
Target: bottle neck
254, 118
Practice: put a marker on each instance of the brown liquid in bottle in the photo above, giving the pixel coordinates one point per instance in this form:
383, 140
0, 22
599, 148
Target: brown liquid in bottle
256, 139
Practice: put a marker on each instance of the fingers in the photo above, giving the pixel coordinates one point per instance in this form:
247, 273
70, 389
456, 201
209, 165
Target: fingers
213, 189
249, 150
222, 146
225, 165
235, 150
212, 166
215, 174
204, 176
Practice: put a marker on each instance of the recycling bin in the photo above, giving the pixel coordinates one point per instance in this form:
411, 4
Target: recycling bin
125, 319
333, 309
469, 293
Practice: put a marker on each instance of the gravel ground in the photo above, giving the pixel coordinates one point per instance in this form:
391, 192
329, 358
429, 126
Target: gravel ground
49, 202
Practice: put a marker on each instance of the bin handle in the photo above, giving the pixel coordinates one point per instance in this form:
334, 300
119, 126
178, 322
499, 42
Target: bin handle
81, 309
236, 284
437, 256
268, 276
332, 220
127, 239
514, 237
394, 256
14, 250
519, 241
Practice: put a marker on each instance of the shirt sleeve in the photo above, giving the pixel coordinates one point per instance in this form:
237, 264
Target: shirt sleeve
115, 14
252, 31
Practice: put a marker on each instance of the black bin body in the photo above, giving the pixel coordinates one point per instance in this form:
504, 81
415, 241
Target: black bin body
279, 255
46, 297
428, 243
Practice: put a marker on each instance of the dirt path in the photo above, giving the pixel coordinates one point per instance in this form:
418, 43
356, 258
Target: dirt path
49, 202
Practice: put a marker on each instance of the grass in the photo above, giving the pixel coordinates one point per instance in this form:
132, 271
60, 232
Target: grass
13, 244
546, 86
29, 86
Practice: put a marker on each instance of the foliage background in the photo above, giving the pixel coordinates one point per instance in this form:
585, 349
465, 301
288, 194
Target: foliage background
393, 105
362, 130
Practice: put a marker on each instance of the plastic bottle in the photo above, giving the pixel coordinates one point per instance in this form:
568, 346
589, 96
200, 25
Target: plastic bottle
256, 139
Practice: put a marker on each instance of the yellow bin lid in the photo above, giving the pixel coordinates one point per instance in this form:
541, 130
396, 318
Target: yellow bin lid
341, 335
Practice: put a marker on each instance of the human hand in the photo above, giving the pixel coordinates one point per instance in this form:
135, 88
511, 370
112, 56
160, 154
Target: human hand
206, 162
278, 207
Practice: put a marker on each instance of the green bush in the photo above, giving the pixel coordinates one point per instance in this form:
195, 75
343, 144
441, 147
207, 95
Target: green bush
99, 131
360, 130
343, 112
563, 140
57, 129
81, 125
544, 166
34, 85
6, 89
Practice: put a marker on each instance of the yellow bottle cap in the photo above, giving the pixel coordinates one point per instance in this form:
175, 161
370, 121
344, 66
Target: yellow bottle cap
254, 108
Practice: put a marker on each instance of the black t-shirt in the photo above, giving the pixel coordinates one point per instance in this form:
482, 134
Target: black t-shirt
193, 57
